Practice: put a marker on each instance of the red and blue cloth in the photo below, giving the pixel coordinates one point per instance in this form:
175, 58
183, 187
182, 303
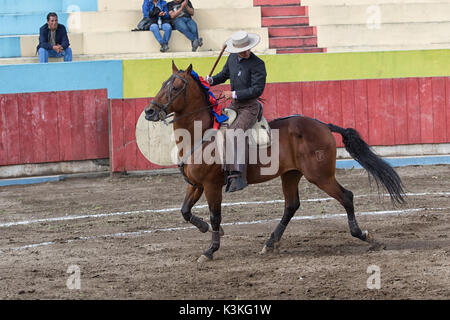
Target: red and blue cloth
216, 107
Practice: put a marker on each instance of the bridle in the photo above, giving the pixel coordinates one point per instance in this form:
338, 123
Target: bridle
163, 114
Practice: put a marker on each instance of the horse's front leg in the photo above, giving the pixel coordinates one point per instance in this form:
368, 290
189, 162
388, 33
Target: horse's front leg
213, 195
193, 194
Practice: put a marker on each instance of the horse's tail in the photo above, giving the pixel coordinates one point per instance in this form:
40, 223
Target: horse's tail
379, 169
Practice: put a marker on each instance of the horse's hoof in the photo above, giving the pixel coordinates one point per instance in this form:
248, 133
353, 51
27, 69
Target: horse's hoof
203, 259
368, 236
266, 250
274, 249
221, 232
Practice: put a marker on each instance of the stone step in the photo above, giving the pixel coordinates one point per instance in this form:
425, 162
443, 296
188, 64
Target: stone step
123, 56
45, 6
121, 5
292, 42
109, 21
276, 2
383, 13
292, 31
301, 50
368, 48
389, 34
285, 21
366, 2
284, 11
103, 43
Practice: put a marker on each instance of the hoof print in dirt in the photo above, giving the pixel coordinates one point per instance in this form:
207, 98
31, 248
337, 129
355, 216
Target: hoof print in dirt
377, 247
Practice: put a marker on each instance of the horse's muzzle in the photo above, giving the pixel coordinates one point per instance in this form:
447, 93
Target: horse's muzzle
151, 114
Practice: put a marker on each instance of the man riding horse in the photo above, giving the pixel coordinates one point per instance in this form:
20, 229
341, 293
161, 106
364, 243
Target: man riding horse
247, 75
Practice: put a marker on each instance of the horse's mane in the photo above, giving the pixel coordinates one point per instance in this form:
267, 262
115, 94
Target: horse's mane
203, 90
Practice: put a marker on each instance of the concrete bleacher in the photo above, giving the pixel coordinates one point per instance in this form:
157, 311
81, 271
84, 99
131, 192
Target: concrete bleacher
105, 33
380, 25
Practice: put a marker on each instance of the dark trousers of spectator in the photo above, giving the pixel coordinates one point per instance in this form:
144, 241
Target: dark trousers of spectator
188, 27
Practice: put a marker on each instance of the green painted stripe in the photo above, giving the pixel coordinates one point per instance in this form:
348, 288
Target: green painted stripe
143, 78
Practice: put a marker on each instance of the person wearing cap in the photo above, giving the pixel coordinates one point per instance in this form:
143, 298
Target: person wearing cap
247, 75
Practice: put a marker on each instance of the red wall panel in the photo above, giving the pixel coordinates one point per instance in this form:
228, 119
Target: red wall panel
400, 111
53, 127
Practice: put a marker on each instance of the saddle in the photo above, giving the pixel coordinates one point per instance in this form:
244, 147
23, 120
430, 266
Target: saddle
260, 133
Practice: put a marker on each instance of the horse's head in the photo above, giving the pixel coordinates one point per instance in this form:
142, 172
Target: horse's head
171, 97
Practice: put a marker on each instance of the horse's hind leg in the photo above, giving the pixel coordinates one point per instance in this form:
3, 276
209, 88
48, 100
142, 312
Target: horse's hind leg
345, 198
290, 182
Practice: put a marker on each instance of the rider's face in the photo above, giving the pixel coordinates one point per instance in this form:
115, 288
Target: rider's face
244, 54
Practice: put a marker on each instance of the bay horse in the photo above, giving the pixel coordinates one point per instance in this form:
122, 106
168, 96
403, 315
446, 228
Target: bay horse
306, 148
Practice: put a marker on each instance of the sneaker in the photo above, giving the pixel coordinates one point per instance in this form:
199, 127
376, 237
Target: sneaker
164, 47
195, 45
200, 42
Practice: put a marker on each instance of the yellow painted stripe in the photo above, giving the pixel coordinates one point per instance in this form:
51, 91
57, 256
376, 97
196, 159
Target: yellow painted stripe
143, 78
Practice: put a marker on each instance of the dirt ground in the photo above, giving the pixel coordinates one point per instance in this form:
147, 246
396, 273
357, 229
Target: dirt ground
125, 252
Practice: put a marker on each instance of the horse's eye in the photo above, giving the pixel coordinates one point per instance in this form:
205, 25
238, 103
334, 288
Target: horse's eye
176, 88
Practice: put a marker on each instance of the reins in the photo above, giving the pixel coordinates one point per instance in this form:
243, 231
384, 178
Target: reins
163, 114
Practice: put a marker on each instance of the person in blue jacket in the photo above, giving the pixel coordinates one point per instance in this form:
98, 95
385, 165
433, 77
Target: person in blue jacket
158, 13
53, 40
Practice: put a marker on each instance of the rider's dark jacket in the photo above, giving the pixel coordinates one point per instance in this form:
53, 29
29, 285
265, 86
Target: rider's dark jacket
247, 76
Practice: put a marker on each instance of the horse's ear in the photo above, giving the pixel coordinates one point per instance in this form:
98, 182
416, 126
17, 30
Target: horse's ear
189, 69
174, 67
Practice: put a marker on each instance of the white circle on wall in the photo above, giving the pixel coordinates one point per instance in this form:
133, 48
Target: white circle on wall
156, 141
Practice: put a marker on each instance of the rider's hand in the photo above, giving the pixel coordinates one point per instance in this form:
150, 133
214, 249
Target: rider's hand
209, 79
228, 94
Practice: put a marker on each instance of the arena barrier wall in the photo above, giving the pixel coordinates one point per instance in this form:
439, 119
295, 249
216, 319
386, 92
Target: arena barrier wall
392, 98
386, 112
53, 127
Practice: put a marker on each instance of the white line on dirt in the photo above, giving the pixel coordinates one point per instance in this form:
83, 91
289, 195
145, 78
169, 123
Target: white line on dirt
142, 232
229, 204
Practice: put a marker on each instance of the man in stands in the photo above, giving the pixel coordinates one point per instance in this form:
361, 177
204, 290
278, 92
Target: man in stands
181, 12
247, 75
53, 40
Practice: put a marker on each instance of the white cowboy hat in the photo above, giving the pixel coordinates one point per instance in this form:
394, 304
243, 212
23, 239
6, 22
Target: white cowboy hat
242, 41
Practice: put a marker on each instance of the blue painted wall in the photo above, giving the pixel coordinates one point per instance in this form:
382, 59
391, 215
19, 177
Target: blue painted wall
18, 24
45, 6
9, 47
399, 162
63, 76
